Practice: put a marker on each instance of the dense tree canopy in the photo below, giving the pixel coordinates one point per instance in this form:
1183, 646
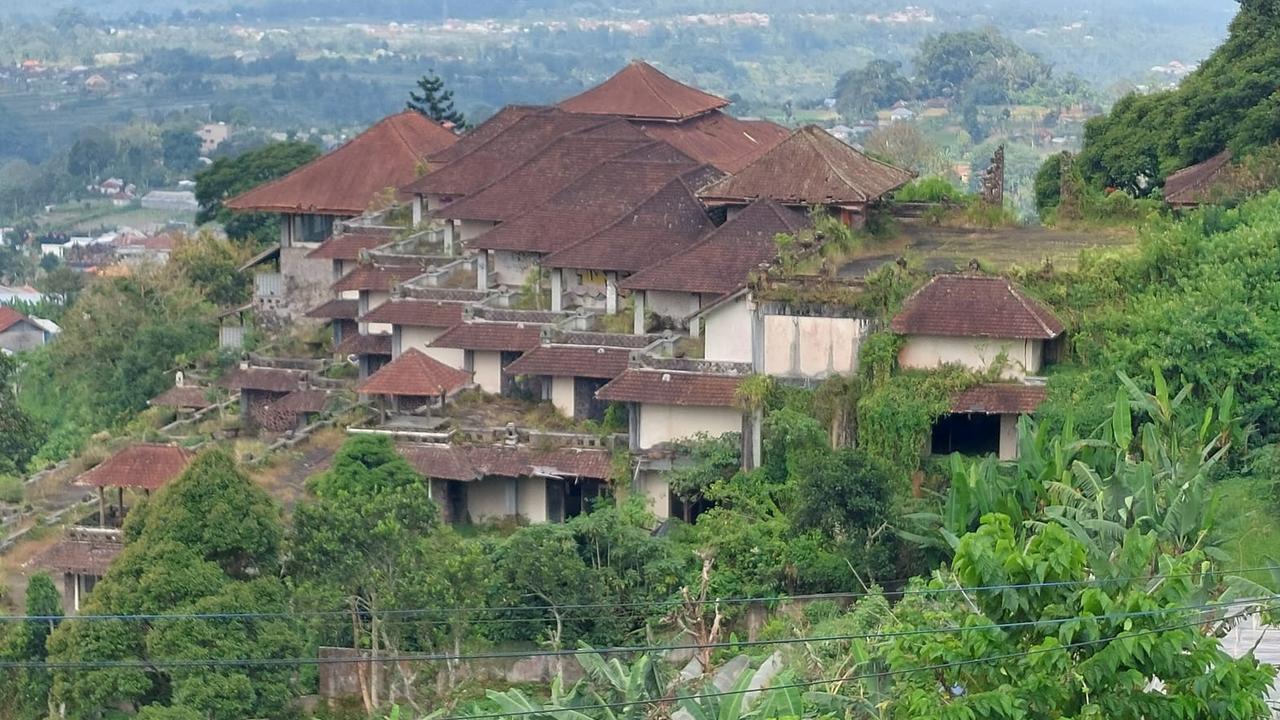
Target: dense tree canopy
228, 177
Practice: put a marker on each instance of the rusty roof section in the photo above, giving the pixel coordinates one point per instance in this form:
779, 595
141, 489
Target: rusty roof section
545, 174
348, 245
1000, 399
145, 466
377, 278
182, 397
640, 90
500, 154
474, 462
670, 220
585, 207
276, 380
810, 168
572, 361
975, 306
360, 344
721, 262
484, 132
343, 182
668, 387
1192, 185
417, 313
493, 336
339, 309
719, 139
415, 374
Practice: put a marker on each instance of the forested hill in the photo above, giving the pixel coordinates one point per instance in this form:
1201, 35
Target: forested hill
1231, 101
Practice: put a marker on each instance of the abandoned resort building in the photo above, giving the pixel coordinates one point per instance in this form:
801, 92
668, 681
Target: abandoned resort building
555, 302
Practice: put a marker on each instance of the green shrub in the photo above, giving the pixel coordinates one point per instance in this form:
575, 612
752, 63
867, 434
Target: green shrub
930, 189
10, 489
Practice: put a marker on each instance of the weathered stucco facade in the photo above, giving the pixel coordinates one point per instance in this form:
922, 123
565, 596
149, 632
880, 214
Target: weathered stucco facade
405, 337
664, 423
1022, 357
487, 366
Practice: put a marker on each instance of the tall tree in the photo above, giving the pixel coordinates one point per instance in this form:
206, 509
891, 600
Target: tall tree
877, 84
435, 101
212, 265
27, 689
20, 434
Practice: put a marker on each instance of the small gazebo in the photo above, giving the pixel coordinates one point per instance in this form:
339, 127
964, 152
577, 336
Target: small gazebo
145, 467
415, 379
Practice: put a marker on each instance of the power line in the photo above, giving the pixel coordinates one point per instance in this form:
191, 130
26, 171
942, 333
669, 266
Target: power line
157, 664
410, 612
826, 681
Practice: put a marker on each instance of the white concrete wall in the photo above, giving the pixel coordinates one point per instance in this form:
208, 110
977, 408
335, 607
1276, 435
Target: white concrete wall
468, 229
374, 300
421, 337
562, 395
664, 423
512, 268
1008, 437
653, 486
727, 332
812, 347
674, 305
492, 498
487, 366
531, 499
928, 352
28, 336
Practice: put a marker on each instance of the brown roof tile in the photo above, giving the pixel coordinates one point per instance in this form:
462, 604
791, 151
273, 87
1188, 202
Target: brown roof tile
145, 465
343, 182
720, 139
809, 168
474, 462
182, 397
1192, 185
512, 315
502, 153
415, 374
10, 317
376, 278
662, 387
601, 339
264, 379
416, 313
640, 90
302, 401
721, 262
572, 361
348, 245
375, 344
484, 132
533, 182
1000, 399
596, 200
86, 557
669, 221
494, 336
340, 309
975, 306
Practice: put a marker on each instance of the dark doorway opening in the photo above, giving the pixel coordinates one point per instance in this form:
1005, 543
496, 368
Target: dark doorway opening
967, 434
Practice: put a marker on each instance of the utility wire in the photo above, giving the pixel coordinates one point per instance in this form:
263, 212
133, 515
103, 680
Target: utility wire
157, 664
826, 681
412, 612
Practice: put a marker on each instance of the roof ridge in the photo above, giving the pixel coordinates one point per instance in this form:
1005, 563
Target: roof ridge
641, 65
808, 131
1026, 304
623, 217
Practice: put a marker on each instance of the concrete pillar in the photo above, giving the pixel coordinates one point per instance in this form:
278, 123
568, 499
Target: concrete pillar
757, 337
417, 210
286, 228
611, 293
695, 326
449, 231
637, 299
482, 270
557, 289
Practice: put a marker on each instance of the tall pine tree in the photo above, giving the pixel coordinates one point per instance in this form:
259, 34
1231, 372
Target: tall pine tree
435, 101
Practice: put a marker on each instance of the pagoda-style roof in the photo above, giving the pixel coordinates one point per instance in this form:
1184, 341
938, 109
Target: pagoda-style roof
416, 313
145, 466
264, 379
719, 139
376, 278
484, 132
491, 336
1000, 399
415, 374
475, 462
572, 361
179, 396
641, 91
975, 306
809, 168
362, 344
348, 245
344, 182
1193, 185
721, 262
338, 309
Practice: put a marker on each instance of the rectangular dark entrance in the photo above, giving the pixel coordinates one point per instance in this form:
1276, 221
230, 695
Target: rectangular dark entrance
967, 434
